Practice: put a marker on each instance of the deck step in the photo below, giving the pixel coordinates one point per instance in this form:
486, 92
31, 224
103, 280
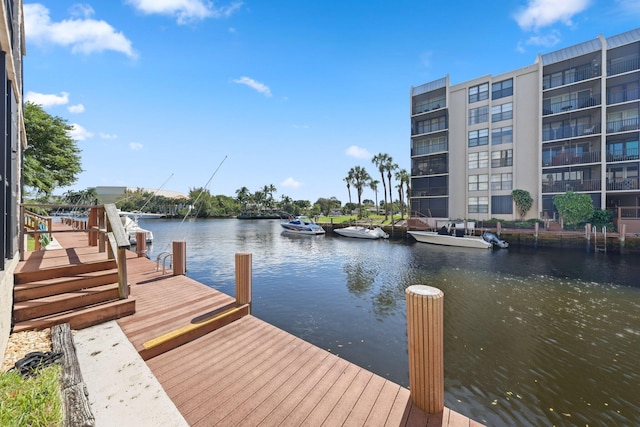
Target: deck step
61, 285
48, 305
80, 319
192, 331
62, 271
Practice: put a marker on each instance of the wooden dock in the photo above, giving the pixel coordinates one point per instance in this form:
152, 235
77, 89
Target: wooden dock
231, 368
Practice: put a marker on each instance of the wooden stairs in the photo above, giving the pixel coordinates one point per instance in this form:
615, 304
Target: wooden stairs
82, 295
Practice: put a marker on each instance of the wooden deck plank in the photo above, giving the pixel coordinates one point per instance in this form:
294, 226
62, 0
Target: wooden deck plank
400, 409
296, 393
343, 407
247, 384
298, 415
366, 402
383, 404
333, 395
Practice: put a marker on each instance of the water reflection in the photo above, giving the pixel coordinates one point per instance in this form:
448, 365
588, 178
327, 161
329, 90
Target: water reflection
531, 337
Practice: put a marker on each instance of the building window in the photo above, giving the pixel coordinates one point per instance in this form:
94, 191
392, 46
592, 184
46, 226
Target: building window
501, 205
502, 112
429, 145
478, 137
478, 205
479, 93
501, 181
502, 158
479, 115
479, 160
502, 89
478, 182
502, 135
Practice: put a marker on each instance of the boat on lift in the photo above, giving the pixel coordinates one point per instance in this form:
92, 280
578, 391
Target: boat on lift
360, 232
301, 225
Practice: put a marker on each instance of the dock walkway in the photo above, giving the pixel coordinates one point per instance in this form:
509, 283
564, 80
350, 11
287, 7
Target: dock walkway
247, 372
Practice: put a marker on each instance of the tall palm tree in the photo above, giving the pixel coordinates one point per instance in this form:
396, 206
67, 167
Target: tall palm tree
242, 196
380, 160
402, 177
349, 179
390, 167
361, 178
373, 184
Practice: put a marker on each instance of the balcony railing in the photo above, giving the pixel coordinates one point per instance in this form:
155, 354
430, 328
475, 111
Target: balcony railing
428, 106
624, 66
431, 191
570, 75
620, 156
570, 131
622, 125
564, 186
618, 96
428, 149
573, 104
429, 170
571, 158
501, 163
427, 128
622, 184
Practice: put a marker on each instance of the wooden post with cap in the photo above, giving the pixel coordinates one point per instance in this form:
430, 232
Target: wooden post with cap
425, 319
243, 279
179, 258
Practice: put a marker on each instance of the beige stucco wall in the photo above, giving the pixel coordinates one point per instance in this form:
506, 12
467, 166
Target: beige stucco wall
6, 302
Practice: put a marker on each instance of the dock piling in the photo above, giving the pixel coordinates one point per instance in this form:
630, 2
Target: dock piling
141, 243
179, 258
425, 313
243, 279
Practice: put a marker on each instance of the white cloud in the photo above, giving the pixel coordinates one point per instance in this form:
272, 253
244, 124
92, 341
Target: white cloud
82, 34
260, 87
547, 41
78, 133
358, 152
290, 183
107, 136
76, 108
185, 11
47, 99
542, 13
135, 146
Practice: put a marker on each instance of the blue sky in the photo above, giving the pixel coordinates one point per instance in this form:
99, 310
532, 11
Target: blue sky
289, 93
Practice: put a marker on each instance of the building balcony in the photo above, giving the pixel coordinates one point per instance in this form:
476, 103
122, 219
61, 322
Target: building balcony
622, 155
428, 106
622, 184
630, 64
622, 125
564, 186
571, 157
570, 131
570, 75
431, 191
570, 105
620, 96
424, 170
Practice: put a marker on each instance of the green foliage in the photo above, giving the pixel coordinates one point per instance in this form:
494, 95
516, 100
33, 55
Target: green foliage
325, 206
575, 208
33, 401
602, 218
51, 158
523, 201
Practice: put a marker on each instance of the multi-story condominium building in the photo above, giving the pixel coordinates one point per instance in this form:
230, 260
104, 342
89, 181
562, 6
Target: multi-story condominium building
12, 142
567, 122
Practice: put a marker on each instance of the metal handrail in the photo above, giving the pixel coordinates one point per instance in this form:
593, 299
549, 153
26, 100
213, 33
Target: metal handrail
164, 255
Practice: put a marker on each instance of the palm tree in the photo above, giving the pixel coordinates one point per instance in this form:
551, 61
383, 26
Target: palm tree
380, 160
243, 195
390, 167
373, 184
403, 178
360, 178
349, 179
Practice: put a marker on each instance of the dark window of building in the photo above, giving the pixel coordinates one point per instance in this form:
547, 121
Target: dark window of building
501, 205
479, 93
478, 137
502, 89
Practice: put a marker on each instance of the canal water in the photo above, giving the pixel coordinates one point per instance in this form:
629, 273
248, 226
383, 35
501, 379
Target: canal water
532, 337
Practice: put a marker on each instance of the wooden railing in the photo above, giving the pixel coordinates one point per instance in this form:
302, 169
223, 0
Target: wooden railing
102, 224
35, 225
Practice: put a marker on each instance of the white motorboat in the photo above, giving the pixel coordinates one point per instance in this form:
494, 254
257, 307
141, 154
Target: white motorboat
463, 241
360, 232
302, 225
132, 228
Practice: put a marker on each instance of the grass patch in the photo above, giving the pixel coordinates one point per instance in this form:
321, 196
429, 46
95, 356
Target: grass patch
34, 401
375, 219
